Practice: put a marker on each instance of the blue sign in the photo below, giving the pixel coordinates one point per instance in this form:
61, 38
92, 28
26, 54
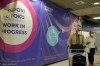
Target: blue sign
54, 29
33, 33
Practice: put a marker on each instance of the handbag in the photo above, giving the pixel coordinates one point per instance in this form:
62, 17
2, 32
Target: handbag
87, 50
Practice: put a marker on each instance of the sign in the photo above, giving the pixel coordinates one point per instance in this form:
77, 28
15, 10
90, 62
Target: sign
18, 34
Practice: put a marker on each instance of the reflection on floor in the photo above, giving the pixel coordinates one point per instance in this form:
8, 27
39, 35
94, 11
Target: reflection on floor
66, 63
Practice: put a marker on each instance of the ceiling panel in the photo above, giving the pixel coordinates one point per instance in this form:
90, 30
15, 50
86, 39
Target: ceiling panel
71, 3
85, 9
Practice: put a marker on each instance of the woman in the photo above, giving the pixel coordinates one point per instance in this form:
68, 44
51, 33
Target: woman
92, 46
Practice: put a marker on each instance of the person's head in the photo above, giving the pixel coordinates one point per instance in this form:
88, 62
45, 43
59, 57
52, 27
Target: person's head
79, 28
91, 33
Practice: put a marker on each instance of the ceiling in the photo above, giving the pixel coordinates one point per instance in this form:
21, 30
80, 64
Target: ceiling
83, 8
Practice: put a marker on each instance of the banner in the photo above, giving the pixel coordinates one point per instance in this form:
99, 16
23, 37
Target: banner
33, 33
19, 40
55, 25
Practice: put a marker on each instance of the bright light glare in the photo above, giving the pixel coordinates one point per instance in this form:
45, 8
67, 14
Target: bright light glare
96, 17
96, 3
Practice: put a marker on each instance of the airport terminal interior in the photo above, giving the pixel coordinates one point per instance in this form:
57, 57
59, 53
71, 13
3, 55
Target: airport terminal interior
49, 32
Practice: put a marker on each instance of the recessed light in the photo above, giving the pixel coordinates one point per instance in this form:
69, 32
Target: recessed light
79, 2
96, 3
96, 17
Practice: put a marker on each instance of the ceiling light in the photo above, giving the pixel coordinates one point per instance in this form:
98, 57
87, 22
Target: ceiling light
79, 2
96, 3
96, 17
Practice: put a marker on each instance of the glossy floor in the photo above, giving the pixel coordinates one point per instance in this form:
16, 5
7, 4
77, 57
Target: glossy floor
66, 62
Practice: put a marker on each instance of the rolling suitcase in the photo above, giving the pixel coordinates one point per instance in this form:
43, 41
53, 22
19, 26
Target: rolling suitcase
79, 60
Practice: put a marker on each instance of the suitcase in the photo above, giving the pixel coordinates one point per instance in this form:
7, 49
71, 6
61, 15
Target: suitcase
78, 48
79, 60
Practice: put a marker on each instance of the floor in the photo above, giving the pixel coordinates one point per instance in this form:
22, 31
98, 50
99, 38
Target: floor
66, 62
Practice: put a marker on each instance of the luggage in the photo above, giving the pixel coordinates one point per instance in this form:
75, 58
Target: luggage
79, 60
77, 48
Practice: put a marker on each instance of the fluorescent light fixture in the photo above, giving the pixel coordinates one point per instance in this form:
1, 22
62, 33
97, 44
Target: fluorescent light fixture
96, 17
96, 3
79, 2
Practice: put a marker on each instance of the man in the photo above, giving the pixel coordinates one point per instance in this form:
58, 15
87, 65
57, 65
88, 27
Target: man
75, 41
76, 38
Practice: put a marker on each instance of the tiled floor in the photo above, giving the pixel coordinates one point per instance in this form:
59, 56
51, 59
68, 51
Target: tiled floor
66, 63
